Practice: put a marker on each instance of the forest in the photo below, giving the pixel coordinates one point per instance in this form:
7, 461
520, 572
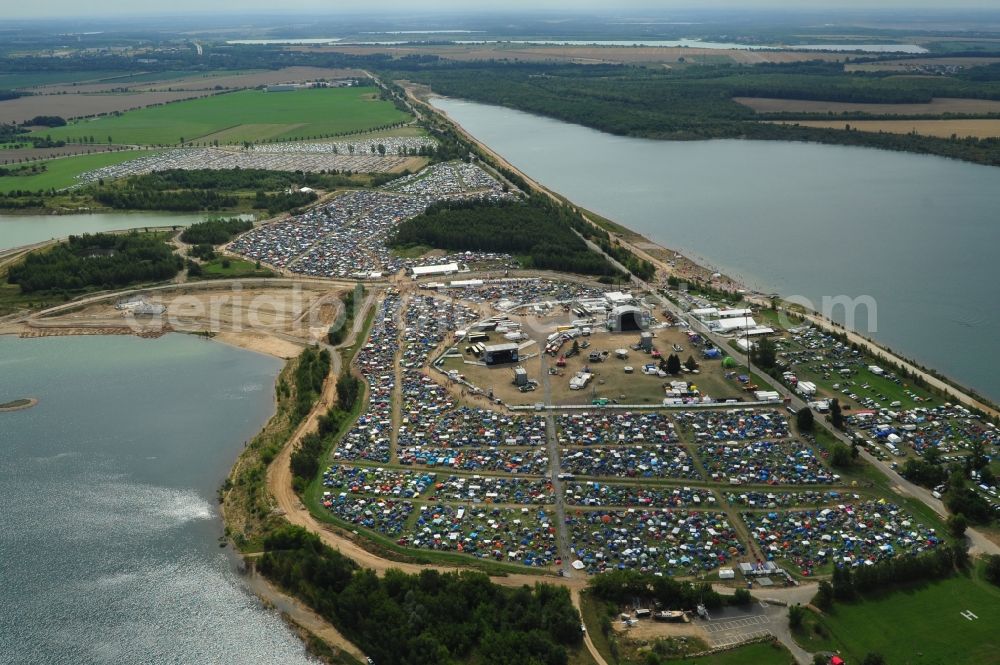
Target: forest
431, 618
537, 230
188, 200
215, 231
100, 260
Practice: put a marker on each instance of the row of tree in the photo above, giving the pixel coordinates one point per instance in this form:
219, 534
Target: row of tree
310, 373
849, 584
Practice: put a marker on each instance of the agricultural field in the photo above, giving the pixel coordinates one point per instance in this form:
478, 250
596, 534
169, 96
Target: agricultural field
216, 80
20, 80
940, 128
11, 153
249, 115
23, 109
62, 172
935, 107
922, 624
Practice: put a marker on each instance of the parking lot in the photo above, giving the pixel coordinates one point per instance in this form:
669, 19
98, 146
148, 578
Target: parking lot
196, 159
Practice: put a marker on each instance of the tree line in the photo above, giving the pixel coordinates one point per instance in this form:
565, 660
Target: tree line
310, 373
100, 260
851, 583
431, 618
238, 179
188, 200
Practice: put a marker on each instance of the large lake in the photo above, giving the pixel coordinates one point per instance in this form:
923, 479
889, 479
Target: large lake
917, 233
18, 230
108, 517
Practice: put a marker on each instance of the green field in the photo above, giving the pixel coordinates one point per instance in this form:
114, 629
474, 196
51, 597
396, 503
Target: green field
249, 115
921, 625
62, 172
214, 269
755, 654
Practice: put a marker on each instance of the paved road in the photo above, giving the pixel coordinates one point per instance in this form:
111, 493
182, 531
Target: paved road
735, 625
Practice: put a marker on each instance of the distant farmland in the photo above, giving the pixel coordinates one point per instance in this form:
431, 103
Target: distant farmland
214, 80
935, 107
11, 80
74, 106
940, 128
249, 115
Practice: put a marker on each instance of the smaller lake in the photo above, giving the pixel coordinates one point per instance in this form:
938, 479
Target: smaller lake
697, 43
266, 42
20, 230
108, 514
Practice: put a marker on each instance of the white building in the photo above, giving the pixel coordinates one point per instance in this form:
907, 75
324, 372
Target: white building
429, 271
734, 323
617, 298
730, 313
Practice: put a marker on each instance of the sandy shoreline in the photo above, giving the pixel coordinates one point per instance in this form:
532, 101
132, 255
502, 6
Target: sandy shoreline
248, 341
18, 404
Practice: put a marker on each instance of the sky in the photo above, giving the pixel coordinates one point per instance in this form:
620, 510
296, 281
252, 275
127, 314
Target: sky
95, 8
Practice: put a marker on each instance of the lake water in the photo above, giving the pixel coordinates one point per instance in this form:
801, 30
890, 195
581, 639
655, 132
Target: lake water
18, 230
108, 517
917, 233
